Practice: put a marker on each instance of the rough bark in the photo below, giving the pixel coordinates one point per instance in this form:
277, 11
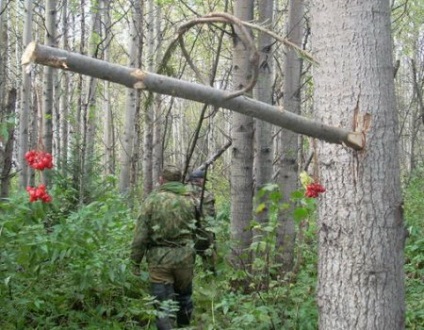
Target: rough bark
360, 225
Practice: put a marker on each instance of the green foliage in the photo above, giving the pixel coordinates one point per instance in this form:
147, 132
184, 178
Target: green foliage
66, 267
414, 251
271, 301
68, 272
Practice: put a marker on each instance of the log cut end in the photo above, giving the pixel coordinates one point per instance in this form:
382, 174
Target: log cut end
356, 140
28, 54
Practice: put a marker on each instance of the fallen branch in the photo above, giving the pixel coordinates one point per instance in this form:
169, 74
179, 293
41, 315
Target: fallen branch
138, 79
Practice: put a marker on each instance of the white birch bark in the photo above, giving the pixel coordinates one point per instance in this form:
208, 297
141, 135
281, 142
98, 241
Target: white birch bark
108, 127
25, 103
242, 150
360, 226
149, 112
288, 146
48, 79
263, 92
90, 116
131, 104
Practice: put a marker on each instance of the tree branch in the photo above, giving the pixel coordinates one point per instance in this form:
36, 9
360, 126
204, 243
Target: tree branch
138, 79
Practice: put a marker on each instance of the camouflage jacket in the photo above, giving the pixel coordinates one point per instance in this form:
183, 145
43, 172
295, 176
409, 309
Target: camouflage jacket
165, 227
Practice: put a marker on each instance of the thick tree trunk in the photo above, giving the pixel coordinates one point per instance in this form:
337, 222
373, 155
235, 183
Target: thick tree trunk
360, 227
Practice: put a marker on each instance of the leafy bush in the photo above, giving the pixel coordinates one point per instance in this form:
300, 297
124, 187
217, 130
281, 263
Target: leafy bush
414, 251
65, 266
69, 272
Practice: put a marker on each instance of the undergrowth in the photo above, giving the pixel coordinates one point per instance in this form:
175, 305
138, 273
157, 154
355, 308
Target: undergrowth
68, 268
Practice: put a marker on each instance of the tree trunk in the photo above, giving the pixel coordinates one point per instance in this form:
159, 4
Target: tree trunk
131, 105
64, 98
7, 152
360, 225
90, 115
263, 92
48, 80
3, 52
150, 106
242, 151
108, 131
24, 114
263, 161
288, 146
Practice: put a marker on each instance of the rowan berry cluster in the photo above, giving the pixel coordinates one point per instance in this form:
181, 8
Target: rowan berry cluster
39, 193
314, 189
39, 160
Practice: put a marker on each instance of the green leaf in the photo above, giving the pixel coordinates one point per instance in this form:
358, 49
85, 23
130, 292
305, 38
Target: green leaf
300, 214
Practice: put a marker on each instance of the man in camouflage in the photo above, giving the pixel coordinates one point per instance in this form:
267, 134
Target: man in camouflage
205, 237
165, 235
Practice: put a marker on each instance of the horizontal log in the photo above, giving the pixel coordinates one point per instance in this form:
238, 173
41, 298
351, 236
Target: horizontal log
139, 79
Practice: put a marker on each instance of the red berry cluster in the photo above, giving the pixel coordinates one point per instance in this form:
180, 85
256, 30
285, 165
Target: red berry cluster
314, 189
39, 160
40, 192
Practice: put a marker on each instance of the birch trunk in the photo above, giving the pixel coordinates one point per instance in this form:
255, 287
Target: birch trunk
131, 104
263, 92
242, 151
24, 114
48, 80
90, 116
288, 146
108, 131
360, 225
150, 109
6, 148
264, 131
64, 98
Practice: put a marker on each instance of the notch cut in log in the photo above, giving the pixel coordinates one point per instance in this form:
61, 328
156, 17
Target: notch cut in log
138, 79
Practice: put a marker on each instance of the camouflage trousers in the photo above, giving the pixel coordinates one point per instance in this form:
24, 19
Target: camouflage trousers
172, 284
